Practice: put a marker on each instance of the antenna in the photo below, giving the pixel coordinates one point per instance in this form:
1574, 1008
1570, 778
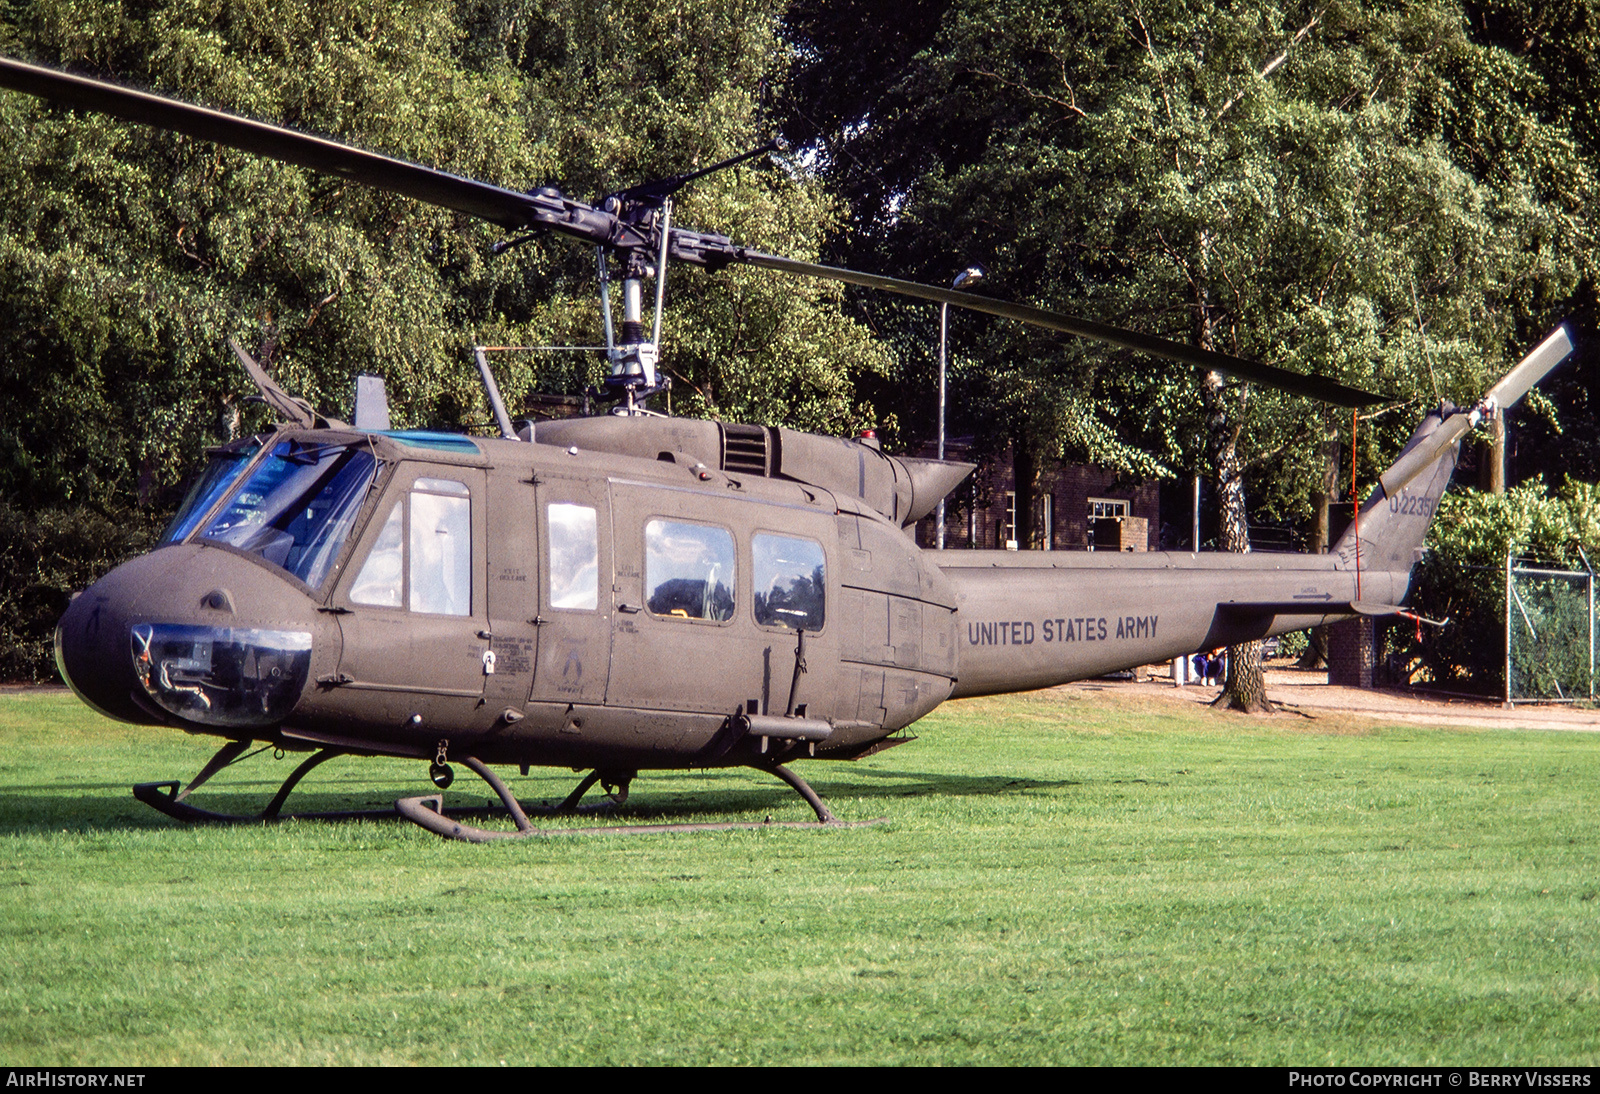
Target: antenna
492, 390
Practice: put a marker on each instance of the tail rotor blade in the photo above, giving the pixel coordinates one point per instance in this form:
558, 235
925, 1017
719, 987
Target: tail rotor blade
1511, 387
1531, 369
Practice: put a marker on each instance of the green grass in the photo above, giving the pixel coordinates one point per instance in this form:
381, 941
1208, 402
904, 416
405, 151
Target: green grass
1060, 881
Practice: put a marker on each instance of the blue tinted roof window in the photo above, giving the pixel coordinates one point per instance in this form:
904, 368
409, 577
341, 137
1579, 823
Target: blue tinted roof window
440, 442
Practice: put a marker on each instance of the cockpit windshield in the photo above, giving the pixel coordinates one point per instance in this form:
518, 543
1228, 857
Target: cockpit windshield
297, 507
218, 478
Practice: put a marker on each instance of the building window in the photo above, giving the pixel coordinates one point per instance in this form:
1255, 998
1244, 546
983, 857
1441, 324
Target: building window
1100, 508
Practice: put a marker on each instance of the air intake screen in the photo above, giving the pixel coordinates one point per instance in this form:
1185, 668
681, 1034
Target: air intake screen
744, 449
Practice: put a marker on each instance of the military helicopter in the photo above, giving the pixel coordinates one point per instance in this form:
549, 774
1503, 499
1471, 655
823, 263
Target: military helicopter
630, 591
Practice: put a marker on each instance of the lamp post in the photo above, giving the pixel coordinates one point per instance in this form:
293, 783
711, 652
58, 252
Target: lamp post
965, 277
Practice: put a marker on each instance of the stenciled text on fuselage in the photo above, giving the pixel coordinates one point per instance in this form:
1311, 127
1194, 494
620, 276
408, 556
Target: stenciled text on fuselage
1025, 632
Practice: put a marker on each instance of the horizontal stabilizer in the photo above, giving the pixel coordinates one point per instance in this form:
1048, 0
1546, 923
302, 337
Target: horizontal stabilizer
1305, 606
1308, 606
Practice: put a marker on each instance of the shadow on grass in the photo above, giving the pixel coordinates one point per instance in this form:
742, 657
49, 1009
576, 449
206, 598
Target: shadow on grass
97, 805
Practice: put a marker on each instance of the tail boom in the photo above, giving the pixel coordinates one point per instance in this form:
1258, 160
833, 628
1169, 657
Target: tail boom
1033, 620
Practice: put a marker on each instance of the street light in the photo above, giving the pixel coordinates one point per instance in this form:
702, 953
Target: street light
965, 277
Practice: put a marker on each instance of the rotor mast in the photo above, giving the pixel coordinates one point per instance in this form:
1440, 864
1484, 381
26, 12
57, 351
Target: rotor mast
646, 210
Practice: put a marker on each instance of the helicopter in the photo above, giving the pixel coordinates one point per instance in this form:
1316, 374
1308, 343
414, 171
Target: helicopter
630, 591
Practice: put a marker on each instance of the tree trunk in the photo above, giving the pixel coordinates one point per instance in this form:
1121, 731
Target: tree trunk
1025, 475
1316, 655
1246, 687
1492, 457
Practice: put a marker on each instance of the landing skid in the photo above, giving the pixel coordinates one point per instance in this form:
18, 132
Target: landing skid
167, 798
429, 811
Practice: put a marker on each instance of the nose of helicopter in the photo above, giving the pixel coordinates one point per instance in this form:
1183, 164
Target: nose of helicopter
189, 635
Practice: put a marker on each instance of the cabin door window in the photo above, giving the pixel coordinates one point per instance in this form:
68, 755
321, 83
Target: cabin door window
790, 582
688, 571
575, 567
574, 557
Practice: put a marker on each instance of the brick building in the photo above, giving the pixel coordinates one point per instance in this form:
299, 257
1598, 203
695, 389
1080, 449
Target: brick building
1084, 508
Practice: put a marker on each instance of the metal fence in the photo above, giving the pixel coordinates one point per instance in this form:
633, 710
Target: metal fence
1550, 633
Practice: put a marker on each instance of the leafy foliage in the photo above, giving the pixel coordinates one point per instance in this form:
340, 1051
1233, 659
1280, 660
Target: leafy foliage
127, 255
1358, 189
44, 557
1363, 190
1462, 577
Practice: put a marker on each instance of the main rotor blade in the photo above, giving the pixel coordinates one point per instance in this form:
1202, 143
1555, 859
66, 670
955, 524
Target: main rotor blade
548, 208
507, 208
1296, 383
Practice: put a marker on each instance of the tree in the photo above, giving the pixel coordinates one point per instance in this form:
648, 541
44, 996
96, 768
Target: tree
1462, 577
1357, 190
127, 255
1556, 432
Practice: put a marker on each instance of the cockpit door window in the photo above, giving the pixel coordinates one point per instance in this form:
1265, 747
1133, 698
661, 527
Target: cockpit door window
430, 569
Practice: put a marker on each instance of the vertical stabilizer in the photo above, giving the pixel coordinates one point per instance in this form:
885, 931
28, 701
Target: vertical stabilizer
1395, 517
1393, 526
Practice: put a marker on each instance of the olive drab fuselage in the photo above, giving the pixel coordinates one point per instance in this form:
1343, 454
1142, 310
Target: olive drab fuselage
545, 603
530, 663
633, 591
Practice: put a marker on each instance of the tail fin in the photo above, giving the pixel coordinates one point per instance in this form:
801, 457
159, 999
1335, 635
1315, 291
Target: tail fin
1395, 517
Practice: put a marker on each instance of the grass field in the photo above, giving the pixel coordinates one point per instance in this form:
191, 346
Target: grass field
1060, 881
